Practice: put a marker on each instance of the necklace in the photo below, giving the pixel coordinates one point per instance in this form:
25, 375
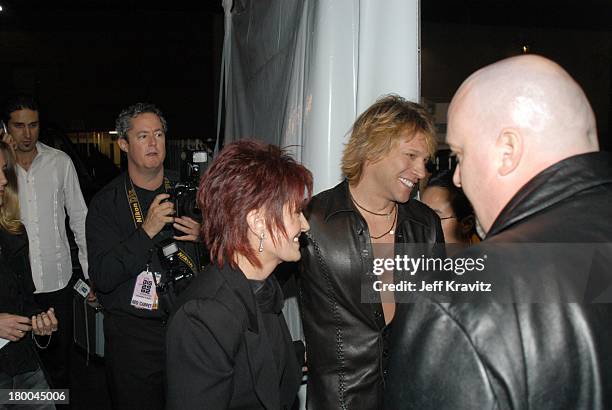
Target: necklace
390, 231
388, 214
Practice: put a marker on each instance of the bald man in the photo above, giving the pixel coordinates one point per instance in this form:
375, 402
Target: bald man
525, 137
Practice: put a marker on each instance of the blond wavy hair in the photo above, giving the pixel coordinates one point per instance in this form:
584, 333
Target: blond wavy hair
378, 128
9, 210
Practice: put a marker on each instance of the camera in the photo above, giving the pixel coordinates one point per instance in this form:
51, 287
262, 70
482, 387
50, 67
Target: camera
177, 274
169, 258
184, 193
184, 197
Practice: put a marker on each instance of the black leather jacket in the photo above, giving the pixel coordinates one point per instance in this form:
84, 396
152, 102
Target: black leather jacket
346, 339
523, 355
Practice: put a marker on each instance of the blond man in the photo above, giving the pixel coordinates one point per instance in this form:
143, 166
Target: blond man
346, 339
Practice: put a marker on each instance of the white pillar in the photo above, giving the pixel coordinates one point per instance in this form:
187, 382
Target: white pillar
358, 50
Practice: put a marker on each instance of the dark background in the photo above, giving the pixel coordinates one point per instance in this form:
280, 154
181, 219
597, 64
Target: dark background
460, 36
86, 60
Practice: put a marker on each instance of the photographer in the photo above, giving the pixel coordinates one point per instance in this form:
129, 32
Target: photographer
129, 222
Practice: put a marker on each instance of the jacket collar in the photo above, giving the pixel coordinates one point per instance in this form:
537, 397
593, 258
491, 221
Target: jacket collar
263, 369
340, 202
242, 289
555, 184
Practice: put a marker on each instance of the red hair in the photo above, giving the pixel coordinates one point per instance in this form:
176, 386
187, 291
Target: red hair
248, 175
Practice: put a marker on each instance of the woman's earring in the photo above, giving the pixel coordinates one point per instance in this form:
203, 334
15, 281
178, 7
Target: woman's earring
261, 238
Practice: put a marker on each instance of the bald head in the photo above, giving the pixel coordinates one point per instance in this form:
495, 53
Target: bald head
511, 120
534, 95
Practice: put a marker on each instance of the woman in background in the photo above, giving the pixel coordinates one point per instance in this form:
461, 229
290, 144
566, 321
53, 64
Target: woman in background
19, 315
453, 208
228, 345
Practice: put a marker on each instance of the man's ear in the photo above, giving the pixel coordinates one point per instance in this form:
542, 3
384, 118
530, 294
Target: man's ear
509, 145
256, 222
123, 144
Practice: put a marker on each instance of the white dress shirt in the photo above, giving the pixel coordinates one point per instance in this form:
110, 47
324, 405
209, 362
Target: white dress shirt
46, 191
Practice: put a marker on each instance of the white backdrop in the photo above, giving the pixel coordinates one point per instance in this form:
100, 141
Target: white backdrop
299, 72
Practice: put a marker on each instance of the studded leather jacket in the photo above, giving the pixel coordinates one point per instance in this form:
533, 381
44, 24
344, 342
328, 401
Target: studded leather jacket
346, 339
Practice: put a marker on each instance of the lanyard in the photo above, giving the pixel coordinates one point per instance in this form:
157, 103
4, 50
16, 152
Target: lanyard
132, 198
138, 218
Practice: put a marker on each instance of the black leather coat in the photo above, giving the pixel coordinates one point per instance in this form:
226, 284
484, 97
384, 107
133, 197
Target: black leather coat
346, 339
523, 355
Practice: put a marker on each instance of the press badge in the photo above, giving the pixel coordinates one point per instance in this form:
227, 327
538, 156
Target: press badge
145, 293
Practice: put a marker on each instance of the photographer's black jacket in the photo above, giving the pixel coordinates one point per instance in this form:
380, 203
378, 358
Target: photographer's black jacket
118, 251
16, 297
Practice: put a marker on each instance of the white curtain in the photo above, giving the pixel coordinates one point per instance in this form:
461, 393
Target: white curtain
298, 72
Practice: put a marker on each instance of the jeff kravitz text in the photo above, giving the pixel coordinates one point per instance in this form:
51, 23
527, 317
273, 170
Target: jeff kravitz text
411, 265
435, 286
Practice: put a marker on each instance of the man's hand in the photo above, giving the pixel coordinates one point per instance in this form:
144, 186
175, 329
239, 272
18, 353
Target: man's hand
13, 327
44, 323
158, 215
91, 296
190, 227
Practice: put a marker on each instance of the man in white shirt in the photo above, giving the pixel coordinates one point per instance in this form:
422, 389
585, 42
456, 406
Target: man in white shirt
48, 190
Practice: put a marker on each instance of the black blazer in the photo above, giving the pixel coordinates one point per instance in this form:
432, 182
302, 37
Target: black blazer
17, 298
219, 354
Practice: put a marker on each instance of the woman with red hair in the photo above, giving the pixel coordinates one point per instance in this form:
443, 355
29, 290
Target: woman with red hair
228, 345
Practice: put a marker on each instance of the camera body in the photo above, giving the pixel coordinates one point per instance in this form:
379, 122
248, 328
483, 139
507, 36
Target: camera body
184, 193
168, 256
177, 275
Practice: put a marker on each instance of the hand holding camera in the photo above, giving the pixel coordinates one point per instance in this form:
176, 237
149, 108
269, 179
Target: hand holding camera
189, 227
159, 214
186, 223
